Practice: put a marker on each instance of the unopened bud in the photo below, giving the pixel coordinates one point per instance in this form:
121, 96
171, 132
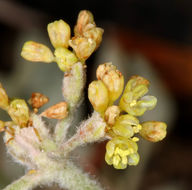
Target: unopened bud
95, 34
103, 69
111, 114
2, 126
65, 58
33, 51
98, 96
19, 112
57, 111
153, 131
37, 100
4, 100
113, 79
85, 21
59, 33
83, 47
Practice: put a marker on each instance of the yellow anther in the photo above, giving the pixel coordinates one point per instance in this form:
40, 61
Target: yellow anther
59, 33
135, 139
36, 52
133, 103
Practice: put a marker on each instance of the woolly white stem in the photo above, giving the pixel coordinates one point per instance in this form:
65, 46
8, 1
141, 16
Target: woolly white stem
91, 130
69, 177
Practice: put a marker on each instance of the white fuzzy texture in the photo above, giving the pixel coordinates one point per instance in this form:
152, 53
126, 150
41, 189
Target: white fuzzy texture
40, 126
67, 177
91, 130
73, 85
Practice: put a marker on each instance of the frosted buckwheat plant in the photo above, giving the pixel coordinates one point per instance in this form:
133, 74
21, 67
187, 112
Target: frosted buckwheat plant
46, 153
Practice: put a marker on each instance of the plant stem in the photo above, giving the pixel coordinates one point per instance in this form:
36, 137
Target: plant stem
68, 176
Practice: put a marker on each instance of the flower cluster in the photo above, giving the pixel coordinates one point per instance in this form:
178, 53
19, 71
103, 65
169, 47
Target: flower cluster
20, 113
122, 124
87, 37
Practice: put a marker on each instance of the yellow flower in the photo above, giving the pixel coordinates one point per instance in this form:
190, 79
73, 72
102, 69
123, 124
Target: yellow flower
59, 33
112, 78
121, 152
98, 96
126, 126
153, 131
36, 52
19, 112
65, 58
133, 100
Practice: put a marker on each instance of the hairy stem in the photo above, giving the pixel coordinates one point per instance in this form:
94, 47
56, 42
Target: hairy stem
63, 176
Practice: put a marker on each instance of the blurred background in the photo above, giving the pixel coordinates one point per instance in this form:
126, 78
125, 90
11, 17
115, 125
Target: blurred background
148, 38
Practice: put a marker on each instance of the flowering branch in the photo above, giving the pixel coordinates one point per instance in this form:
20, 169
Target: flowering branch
46, 154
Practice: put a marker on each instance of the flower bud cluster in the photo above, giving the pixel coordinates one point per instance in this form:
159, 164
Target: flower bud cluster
121, 150
87, 38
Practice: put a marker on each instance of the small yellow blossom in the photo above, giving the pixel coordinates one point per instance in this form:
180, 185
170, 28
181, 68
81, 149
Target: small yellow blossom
36, 52
19, 112
98, 96
112, 78
121, 152
65, 58
4, 100
133, 100
125, 126
59, 33
153, 131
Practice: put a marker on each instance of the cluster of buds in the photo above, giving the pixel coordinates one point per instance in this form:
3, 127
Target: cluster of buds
122, 124
87, 37
20, 113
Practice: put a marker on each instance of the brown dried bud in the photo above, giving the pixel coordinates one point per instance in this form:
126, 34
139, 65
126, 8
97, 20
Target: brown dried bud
37, 100
111, 114
153, 131
95, 34
104, 69
85, 21
83, 47
57, 111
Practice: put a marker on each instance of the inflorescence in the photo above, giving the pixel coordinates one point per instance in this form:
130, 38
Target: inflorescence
115, 122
